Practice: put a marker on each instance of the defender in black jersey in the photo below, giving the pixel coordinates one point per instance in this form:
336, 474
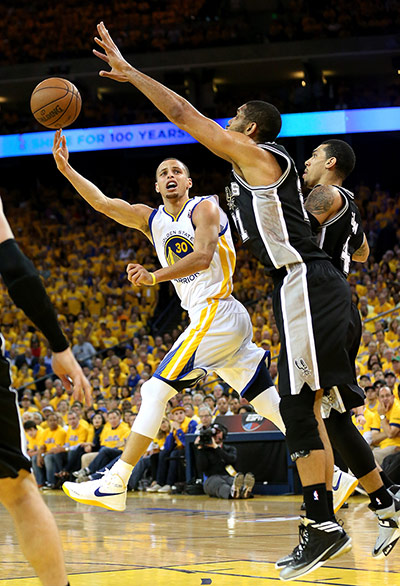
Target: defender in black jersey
336, 220
311, 298
34, 523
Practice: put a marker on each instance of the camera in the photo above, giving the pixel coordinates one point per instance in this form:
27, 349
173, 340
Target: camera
206, 434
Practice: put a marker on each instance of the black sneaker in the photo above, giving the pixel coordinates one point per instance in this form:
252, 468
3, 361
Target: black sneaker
319, 542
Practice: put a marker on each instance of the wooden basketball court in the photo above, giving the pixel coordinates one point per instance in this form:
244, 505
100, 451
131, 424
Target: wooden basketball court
194, 540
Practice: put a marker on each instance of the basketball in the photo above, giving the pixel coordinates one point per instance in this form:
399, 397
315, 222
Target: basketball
55, 102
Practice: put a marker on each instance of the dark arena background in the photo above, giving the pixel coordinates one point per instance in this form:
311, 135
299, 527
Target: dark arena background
333, 71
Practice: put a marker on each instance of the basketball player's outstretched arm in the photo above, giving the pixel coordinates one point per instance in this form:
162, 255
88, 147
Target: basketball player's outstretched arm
258, 166
133, 216
206, 220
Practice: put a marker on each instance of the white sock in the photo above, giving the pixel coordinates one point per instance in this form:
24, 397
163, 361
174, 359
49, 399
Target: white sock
267, 405
123, 469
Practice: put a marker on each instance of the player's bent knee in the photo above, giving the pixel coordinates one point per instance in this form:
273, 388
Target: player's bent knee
155, 394
302, 434
155, 389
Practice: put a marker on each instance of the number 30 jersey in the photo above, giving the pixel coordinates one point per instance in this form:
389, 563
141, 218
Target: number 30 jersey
173, 239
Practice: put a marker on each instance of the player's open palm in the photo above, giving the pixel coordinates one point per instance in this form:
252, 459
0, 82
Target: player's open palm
112, 55
60, 151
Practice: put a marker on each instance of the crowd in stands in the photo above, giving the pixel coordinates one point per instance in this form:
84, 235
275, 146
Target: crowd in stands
27, 31
288, 96
82, 257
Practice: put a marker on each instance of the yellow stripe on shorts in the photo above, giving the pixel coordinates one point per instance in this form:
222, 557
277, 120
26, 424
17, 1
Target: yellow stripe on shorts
190, 345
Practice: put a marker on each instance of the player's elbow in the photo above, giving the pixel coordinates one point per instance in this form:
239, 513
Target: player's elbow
361, 257
204, 261
180, 112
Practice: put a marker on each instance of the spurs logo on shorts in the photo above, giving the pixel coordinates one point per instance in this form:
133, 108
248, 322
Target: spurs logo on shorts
301, 364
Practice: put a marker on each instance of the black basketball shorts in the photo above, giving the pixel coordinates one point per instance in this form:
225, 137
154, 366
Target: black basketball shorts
13, 454
312, 307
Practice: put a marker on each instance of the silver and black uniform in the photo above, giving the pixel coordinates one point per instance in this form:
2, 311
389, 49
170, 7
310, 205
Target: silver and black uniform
311, 297
340, 237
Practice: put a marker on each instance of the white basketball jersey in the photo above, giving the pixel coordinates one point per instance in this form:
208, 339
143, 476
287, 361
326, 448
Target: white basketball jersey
173, 238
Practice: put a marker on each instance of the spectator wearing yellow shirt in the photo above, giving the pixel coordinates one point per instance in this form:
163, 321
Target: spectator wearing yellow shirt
372, 297
383, 303
68, 457
371, 398
275, 344
63, 409
394, 331
34, 438
112, 440
95, 301
26, 404
53, 439
108, 340
386, 425
392, 382
24, 377
59, 394
73, 299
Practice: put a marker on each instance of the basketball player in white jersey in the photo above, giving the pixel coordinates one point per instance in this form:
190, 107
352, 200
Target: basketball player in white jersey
194, 245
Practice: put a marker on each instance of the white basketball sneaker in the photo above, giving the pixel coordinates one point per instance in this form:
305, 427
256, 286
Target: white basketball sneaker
343, 486
108, 492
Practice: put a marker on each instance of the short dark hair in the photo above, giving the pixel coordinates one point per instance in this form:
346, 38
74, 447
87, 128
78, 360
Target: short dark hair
175, 159
29, 424
267, 118
343, 153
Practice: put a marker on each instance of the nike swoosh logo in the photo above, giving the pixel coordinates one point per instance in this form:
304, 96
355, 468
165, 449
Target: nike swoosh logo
97, 492
337, 484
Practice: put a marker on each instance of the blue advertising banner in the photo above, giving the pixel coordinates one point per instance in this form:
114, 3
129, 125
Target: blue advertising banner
166, 133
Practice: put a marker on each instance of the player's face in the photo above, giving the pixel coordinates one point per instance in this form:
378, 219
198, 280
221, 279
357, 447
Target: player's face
315, 167
238, 123
172, 180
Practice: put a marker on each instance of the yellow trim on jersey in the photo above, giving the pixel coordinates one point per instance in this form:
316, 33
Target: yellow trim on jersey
228, 260
190, 345
176, 218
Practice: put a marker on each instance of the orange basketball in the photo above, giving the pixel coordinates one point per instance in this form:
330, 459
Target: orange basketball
55, 102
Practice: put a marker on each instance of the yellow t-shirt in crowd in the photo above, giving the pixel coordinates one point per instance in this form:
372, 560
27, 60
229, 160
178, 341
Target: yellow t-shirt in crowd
393, 416
110, 437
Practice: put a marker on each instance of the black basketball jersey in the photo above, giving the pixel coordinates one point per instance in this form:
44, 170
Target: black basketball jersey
271, 219
343, 234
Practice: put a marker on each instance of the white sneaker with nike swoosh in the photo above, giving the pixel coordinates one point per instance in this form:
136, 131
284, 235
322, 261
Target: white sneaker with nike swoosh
389, 529
343, 485
108, 492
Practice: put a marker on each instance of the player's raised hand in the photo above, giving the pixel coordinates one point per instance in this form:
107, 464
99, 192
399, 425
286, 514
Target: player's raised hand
60, 151
112, 56
138, 275
69, 371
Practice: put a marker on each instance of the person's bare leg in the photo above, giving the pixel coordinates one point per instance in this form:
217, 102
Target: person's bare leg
135, 447
36, 528
315, 468
371, 481
329, 458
